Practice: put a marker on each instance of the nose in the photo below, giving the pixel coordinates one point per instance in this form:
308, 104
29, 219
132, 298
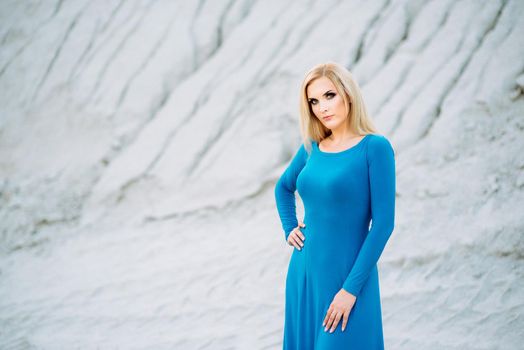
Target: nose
323, 106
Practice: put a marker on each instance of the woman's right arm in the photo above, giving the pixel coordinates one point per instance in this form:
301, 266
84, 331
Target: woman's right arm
285, 191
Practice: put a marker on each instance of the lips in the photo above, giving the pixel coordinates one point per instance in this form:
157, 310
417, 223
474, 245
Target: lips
327, 117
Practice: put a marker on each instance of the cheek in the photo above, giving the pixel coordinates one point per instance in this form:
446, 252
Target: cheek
340, 105
315, 110
338, 102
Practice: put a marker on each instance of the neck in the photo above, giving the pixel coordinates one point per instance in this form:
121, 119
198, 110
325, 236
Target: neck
342, 135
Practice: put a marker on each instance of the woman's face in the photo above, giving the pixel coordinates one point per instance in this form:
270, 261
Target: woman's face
325, 102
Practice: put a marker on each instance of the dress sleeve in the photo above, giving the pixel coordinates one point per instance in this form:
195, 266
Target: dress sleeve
285, 191
382, 183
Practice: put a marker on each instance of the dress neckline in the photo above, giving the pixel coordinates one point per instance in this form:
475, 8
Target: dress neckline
347, 150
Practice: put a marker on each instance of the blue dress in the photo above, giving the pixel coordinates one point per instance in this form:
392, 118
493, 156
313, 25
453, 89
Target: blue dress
342, 192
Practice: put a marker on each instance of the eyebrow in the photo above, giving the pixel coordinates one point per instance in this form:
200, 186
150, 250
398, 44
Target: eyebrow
324, 94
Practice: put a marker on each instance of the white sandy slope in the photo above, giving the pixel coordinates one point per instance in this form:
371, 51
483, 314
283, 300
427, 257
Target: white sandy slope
140, 143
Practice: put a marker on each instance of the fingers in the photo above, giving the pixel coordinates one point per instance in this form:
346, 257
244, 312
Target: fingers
335, 322
300, 235
326, 319
345, 320
340, 308
296, 238
292, 240
298, 232
295, 241
332, 320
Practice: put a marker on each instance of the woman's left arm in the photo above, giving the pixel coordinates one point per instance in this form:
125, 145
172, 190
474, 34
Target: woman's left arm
382, 183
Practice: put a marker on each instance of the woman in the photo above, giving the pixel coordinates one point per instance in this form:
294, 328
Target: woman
345, 175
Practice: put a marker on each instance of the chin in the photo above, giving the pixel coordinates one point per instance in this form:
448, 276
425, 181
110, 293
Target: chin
332, 125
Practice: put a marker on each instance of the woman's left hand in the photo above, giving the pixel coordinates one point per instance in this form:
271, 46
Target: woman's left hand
340, 308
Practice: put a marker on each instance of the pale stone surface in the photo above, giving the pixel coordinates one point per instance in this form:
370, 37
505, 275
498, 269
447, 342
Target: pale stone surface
140, 142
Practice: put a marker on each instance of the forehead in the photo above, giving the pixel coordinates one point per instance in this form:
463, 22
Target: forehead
319, 86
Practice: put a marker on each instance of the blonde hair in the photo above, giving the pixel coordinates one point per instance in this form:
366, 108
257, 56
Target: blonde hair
311, 128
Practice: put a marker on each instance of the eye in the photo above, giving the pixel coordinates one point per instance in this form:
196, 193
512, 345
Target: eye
312, 101
330, 95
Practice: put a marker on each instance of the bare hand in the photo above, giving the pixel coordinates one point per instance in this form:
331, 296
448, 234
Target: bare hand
340, 307
296, 237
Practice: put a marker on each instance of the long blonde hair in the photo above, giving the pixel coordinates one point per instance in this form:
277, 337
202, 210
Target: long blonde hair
311, 128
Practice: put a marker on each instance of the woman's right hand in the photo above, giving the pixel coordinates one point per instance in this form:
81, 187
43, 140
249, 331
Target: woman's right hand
296, 237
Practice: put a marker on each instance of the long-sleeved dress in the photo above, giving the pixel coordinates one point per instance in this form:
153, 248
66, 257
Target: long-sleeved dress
342, 192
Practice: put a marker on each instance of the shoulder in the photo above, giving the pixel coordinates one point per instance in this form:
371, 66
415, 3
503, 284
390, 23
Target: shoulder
378, 141
379, 145
301, 152
306, 147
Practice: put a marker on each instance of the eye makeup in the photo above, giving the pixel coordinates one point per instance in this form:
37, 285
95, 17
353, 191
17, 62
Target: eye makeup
330, 94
